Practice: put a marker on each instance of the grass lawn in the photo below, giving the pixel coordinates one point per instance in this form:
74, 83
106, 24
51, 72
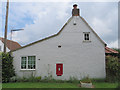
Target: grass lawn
105, 85
39, 85
55, 85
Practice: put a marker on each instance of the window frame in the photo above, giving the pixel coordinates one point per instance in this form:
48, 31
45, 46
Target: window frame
84, 37
21, 62
27, 62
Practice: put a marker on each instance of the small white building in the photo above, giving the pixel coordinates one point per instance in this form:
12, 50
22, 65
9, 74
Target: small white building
10, 45
75, 51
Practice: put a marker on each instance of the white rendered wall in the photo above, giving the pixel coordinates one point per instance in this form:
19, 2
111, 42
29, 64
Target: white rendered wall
79, 58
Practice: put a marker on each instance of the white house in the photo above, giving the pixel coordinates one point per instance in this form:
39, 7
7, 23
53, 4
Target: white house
75, 51
10, 45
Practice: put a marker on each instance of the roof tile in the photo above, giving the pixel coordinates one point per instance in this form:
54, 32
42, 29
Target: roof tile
12, 45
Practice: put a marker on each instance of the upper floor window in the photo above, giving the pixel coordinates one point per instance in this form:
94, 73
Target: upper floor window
28, 62
86, 36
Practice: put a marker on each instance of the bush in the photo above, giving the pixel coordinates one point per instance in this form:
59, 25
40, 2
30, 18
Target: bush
24, 79
38, 78
73, 80
86, 80
112, 69
7, 67
13, 79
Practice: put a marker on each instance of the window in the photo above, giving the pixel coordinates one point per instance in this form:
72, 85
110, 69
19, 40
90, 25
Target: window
28, 62
86, 36
31, 62
23, 62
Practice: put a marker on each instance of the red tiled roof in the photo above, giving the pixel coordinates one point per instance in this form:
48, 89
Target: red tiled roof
12, 45
109, 50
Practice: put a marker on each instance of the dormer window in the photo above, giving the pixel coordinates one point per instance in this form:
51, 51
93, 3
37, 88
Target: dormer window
86, 36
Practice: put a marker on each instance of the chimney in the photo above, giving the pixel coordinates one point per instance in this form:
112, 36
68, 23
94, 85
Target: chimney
75, 10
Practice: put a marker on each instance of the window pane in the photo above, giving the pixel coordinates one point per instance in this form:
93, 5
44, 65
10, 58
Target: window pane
23, 62
31, 62
86, 36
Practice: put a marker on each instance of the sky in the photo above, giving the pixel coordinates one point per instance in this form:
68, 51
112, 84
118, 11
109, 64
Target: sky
42, 19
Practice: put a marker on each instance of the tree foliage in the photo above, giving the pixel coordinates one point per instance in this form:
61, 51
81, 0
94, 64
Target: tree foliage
7, 67
112, 68
117, 49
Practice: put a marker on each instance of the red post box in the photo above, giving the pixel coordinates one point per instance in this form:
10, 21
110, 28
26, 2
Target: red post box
59, 69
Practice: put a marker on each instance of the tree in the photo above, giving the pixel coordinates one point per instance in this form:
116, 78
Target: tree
7, 67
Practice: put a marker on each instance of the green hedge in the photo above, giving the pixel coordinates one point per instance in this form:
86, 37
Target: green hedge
112, 69
7, 67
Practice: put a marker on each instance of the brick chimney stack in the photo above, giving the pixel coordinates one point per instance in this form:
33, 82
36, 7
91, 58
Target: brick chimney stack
75, 10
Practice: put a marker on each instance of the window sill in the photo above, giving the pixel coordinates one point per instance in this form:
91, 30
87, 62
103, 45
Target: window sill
27, 69
87, 41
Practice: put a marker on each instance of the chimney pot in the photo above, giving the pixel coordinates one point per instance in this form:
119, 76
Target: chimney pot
75, 5
75, 10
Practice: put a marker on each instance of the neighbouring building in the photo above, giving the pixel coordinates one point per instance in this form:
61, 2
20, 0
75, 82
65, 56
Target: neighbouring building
110, 51
75, 51
10, 45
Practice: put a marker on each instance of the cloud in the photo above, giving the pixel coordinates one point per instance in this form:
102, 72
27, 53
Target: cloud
101, 27
47, 20
1, 32
113, 44
42, 19
103, 19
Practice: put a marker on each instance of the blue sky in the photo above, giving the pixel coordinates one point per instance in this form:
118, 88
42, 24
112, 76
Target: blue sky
42, 19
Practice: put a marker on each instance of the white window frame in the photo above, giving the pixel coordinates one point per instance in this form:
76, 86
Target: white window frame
84, 37
27, 63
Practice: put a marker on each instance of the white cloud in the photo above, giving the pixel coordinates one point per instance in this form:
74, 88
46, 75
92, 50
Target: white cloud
113, 44
48, 19
101, 27
104, 20
1, 19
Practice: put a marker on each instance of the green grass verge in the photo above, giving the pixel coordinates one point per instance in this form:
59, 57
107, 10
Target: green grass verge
105, 85
55, 85
39, 85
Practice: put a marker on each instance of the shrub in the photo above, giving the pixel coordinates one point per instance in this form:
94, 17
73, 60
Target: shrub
112, 69
24, 79
73, 80
86, 80
38, 78
7, 67
13, 79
